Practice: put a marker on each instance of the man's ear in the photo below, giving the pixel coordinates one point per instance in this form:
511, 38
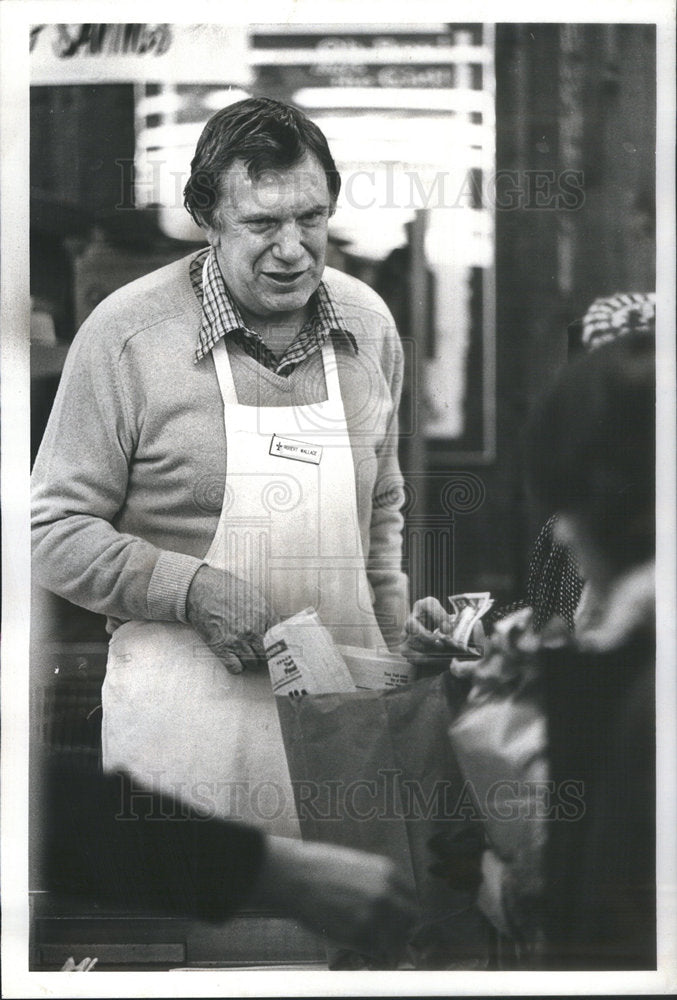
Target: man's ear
213, 236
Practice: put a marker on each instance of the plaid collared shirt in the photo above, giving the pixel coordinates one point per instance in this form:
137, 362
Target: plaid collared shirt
221, 318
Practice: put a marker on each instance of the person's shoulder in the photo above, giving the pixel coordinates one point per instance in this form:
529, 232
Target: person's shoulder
157, 293
353, 296
146, 301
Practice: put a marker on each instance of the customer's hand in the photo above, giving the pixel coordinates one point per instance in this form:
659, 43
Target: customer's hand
230, 616
357, 899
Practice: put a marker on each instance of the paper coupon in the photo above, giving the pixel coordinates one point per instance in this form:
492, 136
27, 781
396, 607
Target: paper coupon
373, 670
303, 659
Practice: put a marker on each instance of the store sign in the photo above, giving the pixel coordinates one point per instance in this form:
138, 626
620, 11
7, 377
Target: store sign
139, 53
77, 41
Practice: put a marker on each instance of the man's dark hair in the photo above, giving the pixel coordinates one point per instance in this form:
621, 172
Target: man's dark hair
591, 448
266, 135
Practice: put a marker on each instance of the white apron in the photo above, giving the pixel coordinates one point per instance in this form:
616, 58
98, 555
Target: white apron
173, 716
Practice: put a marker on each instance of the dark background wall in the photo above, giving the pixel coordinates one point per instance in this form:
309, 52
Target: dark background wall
576, 98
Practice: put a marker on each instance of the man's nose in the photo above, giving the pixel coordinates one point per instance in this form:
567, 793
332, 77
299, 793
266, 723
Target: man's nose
287, 245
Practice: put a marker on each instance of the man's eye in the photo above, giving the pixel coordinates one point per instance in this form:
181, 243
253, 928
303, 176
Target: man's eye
313, 218
260, 225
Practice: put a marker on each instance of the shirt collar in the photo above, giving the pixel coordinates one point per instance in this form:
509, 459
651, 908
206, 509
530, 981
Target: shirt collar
221, 316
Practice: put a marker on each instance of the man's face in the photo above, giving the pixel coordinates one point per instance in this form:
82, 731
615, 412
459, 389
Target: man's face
271, 237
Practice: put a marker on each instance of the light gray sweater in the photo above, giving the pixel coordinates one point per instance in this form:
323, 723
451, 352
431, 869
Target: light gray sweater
129, 480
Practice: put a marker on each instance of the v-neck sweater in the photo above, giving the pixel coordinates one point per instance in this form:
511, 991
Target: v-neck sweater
129, 480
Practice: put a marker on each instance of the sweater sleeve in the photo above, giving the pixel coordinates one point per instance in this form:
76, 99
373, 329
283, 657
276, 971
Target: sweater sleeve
389, 584
107, 842
79, 484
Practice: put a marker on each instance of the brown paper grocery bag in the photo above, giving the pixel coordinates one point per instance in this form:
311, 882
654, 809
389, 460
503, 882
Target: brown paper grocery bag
374, 770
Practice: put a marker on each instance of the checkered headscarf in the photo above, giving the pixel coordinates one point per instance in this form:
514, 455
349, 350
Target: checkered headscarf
613, 317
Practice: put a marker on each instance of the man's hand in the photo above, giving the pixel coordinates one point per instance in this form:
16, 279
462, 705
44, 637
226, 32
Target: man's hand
230, 616
419, 644
357, 899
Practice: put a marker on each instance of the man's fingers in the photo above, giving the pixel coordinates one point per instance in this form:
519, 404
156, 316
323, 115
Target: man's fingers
429, 613
236, 653
420, 638
255, 642
245, 653
239, 654
415, 628
232, 662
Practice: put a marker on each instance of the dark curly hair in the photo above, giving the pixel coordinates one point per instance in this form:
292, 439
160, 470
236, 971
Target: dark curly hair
265, 134
591, 447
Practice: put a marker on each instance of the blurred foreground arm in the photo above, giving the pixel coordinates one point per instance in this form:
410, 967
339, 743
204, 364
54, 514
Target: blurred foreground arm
356, 899
107, 841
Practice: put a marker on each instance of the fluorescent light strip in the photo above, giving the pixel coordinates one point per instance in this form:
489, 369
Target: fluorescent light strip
218, 99
386, 55
370, 127
289, 28
159, 104
183, 134
394, 98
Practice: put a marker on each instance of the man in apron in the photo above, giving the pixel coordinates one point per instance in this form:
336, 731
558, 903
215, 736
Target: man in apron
222, 454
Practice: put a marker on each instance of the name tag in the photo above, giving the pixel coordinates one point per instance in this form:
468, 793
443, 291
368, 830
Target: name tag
296, 450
